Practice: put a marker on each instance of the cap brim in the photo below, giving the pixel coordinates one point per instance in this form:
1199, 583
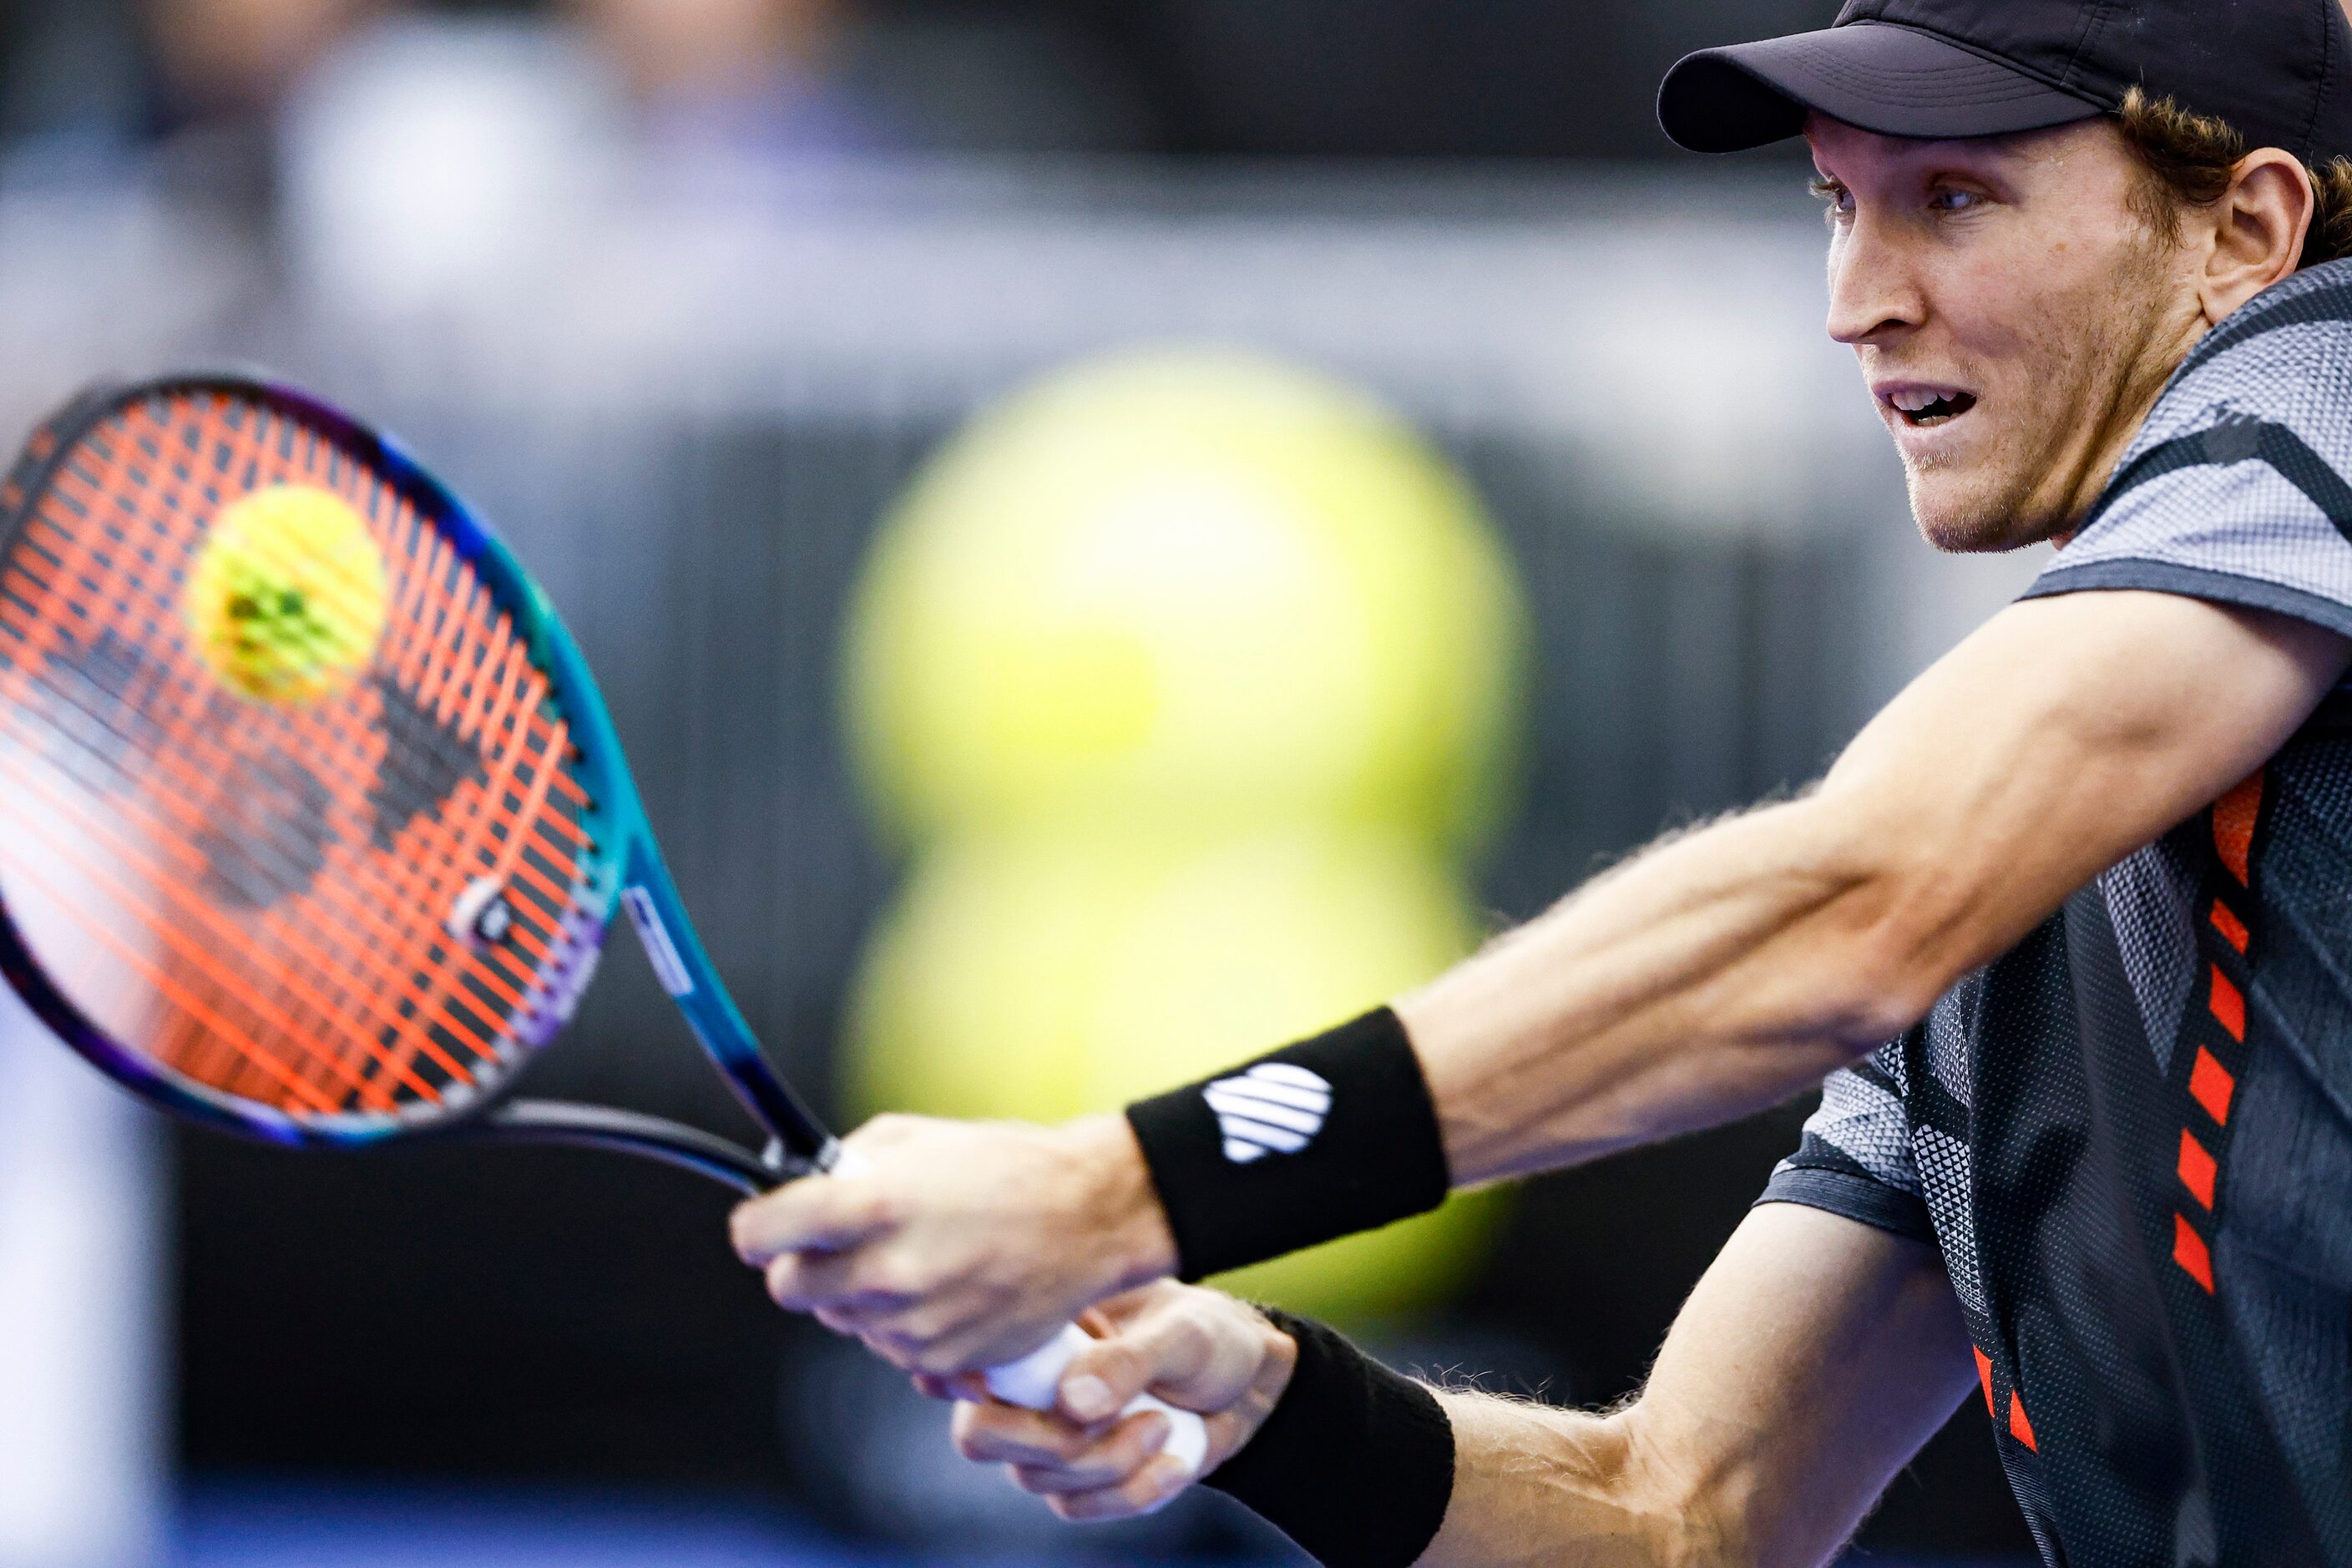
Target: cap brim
1877, 75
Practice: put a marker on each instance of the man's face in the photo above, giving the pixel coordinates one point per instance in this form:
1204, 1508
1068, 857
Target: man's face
2013, 313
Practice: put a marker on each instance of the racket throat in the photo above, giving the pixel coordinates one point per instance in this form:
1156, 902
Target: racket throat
802, 1143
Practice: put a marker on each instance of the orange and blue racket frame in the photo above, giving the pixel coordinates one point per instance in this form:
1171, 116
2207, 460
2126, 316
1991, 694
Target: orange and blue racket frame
619, 863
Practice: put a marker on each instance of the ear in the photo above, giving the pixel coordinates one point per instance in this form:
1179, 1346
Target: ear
2258, 228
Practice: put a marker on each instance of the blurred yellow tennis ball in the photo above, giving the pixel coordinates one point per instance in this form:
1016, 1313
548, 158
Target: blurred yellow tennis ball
286, 598
1188, 583
1048, 972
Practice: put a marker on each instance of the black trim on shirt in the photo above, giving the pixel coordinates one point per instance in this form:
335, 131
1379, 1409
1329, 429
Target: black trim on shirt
2195, 583
2238, 438
2300, 466
1861, 1198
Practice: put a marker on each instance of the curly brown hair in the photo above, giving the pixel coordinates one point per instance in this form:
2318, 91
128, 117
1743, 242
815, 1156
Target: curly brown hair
2189, 157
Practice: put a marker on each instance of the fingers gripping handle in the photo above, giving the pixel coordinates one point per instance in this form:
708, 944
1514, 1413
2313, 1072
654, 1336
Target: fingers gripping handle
1032, 1381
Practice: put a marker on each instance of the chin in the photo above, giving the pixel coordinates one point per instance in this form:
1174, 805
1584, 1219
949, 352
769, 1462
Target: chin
1967, 516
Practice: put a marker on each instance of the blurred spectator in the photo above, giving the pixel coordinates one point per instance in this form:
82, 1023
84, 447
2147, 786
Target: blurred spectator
223, 72
737, 77
437, 155
239, 59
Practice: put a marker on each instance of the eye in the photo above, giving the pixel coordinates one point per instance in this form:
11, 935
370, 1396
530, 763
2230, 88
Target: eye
1953, 199
1837, 202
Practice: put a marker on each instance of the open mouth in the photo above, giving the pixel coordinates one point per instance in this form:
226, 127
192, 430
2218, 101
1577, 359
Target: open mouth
1924, 407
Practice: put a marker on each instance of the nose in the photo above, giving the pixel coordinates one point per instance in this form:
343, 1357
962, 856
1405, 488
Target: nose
1875, 292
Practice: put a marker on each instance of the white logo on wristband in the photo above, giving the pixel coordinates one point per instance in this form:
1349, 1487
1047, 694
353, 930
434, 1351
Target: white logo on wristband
1273, 1108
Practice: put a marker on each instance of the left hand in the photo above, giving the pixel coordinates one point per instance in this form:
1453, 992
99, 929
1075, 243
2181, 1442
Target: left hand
1197, 1349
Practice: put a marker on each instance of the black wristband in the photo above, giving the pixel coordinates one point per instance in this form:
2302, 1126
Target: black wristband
1355, 1463
1318, 1140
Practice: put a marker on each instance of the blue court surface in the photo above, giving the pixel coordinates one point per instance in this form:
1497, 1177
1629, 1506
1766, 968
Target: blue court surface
239, 1525
268, 1525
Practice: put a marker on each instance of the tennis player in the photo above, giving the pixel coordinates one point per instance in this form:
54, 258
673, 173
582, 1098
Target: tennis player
2067, 929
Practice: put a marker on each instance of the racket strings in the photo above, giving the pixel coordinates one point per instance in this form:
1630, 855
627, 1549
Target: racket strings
379, 822
395, 761
274, 1018
376, 1009
230, 767
186, 926
367, 933
454, 601
297, 865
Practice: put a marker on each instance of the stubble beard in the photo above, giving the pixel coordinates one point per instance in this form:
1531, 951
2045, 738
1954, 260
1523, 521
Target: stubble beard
2000, 512
2031, 489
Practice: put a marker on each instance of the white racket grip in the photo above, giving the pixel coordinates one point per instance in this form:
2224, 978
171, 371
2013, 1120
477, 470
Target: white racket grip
1034, 1381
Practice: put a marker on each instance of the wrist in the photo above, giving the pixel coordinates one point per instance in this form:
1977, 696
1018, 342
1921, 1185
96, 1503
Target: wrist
1120, 1202
1330, 1135
1353, 1461
1277, 1364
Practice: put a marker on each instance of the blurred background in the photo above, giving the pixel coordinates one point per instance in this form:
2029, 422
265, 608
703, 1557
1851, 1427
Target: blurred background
1115, 534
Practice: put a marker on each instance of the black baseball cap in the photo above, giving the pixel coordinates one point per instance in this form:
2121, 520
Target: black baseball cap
2279, 70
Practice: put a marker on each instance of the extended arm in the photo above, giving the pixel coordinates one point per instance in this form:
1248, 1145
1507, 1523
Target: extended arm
1812, 1361
1728, 969
1716, 974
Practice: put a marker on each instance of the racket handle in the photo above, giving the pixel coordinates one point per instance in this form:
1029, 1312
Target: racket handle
1034, 1381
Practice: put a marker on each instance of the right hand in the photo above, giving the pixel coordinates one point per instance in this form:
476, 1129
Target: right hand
952, 1246
1196, 1348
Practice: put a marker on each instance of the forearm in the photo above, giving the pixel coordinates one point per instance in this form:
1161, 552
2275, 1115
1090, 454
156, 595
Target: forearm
1366, 1467
1710, 977
1535, 1485
1811, 1362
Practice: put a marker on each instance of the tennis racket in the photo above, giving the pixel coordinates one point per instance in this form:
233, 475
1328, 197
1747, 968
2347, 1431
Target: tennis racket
314, 836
